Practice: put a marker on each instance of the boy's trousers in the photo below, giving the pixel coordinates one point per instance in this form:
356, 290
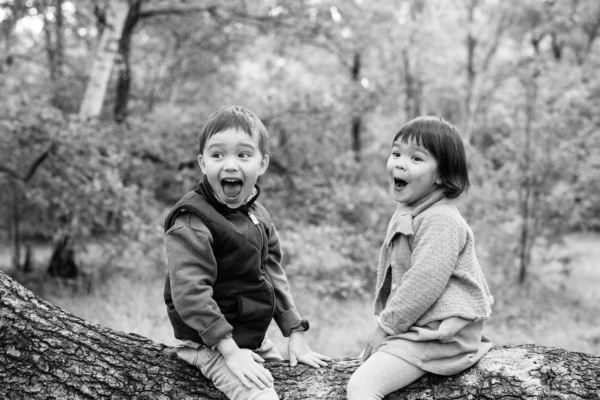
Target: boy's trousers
212, 364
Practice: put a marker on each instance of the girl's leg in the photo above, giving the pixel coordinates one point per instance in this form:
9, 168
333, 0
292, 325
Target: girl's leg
381, 374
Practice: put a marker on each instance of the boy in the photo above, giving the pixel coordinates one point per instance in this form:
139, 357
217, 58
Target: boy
225, 282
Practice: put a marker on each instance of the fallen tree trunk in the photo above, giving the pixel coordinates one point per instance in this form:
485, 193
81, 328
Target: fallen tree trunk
46, 352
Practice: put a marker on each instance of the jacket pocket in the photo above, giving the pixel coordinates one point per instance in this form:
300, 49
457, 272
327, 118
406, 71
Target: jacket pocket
248, 306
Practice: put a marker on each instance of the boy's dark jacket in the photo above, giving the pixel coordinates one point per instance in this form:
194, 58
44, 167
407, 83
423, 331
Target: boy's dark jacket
230, 278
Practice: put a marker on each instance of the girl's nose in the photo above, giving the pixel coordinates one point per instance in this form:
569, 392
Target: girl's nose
401, 164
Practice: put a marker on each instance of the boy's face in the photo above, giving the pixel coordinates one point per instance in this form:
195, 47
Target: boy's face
232, 162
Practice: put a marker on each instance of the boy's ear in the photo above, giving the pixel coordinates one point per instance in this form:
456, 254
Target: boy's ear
438, 180
201, 163
264, 163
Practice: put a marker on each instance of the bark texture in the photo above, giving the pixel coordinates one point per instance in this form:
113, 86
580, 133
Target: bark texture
47, 353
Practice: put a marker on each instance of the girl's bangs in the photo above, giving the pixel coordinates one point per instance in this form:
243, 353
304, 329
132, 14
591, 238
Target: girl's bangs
420, 137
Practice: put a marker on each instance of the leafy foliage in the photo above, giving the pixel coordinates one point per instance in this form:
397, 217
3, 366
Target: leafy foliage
516, 77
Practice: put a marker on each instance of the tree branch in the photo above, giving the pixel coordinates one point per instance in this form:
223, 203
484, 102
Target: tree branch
37, 162
175, 11
32, 169
46, 352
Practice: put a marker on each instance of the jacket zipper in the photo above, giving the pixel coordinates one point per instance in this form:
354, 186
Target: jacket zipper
262, 272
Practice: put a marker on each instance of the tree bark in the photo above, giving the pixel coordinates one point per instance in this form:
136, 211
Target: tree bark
46, 352
95, 92
124, 79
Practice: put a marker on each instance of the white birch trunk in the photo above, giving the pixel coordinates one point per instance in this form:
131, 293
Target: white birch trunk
104, 60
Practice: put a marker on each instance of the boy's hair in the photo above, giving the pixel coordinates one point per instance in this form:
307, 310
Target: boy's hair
234, 117
443, 141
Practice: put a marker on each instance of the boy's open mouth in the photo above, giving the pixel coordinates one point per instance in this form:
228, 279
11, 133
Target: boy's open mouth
232, 186
399, 183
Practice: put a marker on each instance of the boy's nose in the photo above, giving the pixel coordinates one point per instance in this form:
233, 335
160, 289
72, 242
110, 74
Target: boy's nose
231, 165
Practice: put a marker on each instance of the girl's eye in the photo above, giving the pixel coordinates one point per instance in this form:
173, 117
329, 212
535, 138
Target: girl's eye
396, 153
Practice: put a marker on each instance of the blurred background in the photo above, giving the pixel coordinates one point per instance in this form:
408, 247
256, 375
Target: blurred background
101, 102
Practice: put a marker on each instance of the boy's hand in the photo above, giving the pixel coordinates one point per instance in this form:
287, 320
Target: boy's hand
374, 342
243, 363
300, 352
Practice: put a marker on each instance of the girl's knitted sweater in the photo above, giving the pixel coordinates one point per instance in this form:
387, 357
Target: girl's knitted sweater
427, 267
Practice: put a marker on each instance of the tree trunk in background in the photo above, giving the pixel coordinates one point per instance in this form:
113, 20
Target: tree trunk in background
525, 197
413, 84
46, 352
356, 117
471, 41
50, 48
124, 79
413, 88
479, 57
104, 60
62, 262
55, 48
59, 41
17, 181
15, 224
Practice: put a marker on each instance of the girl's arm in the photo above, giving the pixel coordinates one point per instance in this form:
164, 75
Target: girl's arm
438, 241
374, 342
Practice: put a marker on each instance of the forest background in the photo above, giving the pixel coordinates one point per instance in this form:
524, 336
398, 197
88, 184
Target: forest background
101, 103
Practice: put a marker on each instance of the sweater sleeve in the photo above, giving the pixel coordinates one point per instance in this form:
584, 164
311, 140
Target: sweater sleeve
286, 315
437, 243
193, 271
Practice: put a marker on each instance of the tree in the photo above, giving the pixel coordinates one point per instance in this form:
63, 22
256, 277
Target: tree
16, 187
49, 353
116, 14
477, 65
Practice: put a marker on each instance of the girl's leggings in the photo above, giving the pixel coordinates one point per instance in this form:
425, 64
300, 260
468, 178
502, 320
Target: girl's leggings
381, 374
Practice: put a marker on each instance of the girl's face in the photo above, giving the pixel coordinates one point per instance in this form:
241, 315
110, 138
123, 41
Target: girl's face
232, 162
412, 172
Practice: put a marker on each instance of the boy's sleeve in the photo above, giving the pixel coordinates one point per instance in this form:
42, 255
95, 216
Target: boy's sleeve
286, 315
436, 247
193, 271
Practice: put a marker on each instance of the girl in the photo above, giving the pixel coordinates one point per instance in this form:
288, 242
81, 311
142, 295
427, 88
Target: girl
431, 296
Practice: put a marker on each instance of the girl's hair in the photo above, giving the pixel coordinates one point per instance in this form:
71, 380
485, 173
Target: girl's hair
234, 117
443, 141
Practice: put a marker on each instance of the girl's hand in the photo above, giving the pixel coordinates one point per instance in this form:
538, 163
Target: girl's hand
374, 342
299, 351
244, 364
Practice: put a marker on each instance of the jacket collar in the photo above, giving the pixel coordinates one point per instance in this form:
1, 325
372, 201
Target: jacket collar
205, 190
402, 220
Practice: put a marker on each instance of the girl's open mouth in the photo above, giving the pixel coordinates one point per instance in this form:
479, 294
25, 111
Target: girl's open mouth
232, 186
399, 183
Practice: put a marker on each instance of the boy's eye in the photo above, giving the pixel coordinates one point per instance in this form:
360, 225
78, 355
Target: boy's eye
245, 155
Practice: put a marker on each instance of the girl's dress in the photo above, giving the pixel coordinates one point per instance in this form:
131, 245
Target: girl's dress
431, 296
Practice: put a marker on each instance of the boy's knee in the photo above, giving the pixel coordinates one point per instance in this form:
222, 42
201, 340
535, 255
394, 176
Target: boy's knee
268, 394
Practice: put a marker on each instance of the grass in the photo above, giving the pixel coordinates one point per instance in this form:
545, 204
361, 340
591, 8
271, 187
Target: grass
560, 306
